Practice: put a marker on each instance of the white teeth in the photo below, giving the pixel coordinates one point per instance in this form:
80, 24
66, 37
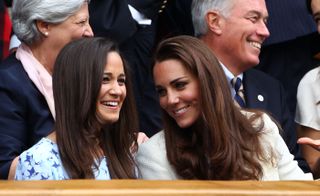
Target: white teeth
181, 110
110, 103
256, 45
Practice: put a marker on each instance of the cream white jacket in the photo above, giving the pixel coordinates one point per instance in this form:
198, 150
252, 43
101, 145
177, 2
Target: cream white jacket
153, 163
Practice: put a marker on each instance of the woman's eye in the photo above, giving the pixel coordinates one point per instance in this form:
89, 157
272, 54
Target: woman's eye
121, 81
161, 92
180, 85
82, 23
105, 79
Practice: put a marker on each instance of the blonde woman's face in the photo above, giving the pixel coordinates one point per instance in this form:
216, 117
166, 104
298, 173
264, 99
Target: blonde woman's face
178, 91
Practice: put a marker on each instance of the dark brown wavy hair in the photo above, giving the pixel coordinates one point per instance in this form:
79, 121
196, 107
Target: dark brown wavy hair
222, 144
77, 79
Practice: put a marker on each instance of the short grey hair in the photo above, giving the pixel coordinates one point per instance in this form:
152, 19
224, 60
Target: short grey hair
25, 14
200, 8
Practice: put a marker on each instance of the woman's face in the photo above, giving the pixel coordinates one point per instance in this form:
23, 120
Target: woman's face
113, 89
178, 91
75, 27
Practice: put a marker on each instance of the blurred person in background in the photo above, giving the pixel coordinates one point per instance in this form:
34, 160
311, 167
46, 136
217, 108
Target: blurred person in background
308, 107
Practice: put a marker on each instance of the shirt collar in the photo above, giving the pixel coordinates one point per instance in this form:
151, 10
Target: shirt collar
230, 76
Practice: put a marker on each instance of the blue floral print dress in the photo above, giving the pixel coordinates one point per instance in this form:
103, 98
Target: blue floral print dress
42, 162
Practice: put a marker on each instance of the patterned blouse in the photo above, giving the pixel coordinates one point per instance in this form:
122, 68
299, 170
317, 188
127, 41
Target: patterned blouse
42, 162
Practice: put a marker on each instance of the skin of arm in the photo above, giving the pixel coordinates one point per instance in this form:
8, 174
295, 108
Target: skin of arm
310, 138
13, 167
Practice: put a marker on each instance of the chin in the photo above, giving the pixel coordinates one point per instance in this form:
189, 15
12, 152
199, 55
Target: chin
255, 59
184, 125
252, 62
111, 120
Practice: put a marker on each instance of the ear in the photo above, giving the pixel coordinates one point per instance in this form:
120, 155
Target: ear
43, 27
214, 22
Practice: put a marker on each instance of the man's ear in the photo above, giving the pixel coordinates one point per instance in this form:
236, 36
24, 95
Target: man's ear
214, 22
43, 27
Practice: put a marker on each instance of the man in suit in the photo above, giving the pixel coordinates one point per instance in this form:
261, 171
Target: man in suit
235, 31
132, 23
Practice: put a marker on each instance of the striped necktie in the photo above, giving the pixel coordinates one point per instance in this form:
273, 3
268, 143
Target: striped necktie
238, 87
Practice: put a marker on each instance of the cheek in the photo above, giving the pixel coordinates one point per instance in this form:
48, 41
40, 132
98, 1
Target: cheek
163, 102
102, 91
124, 92
192, 94
76, 33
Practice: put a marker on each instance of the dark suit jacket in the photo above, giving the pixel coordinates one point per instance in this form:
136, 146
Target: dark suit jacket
259, 85
24, 114
288, 53
112, 18
175, 20
288, 19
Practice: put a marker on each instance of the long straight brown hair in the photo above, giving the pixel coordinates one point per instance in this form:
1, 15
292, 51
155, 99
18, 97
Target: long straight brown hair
222, 144
77, 79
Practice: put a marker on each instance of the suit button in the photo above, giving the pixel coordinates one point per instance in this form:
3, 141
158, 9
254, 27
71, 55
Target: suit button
260, 98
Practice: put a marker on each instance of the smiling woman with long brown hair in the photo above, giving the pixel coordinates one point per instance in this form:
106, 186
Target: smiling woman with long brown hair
206, 136
96, 122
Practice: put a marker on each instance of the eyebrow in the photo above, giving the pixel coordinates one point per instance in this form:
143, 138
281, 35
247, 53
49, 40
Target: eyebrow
257, 13
110, 74
173, 81
176, 80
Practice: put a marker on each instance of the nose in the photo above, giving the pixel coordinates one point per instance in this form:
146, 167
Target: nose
88, 31
263, 30
172, 98
115, 89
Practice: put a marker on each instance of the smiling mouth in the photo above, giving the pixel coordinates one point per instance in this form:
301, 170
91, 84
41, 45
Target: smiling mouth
110, 103
180, 110
255, 45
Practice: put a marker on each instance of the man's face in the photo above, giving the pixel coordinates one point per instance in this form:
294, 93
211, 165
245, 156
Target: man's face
315, 7
243, 33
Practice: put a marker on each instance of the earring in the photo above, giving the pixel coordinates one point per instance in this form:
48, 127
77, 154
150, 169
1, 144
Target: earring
46, 34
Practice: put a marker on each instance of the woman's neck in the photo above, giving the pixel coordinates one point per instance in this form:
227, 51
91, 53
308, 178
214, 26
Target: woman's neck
45, 56
52, 137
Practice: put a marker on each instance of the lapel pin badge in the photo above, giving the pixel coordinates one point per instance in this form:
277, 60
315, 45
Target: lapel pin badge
260, 98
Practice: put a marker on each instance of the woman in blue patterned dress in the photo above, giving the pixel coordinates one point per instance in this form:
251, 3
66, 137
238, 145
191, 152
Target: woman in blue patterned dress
96, 120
